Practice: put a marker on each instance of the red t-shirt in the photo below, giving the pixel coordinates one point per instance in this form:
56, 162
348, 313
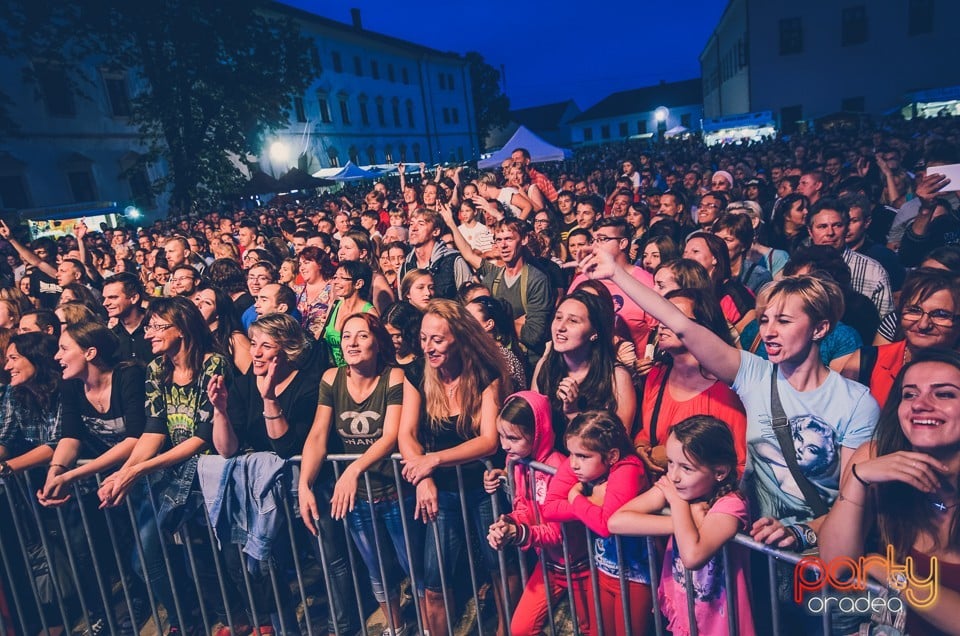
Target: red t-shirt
638, 321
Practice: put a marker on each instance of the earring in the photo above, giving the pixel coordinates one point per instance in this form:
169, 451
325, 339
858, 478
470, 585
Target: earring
593, 338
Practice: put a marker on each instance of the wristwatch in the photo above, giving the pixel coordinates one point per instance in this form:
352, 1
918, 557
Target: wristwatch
806, 537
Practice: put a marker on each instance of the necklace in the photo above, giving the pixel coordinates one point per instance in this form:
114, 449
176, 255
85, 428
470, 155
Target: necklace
98, 401
939, 506
452, 388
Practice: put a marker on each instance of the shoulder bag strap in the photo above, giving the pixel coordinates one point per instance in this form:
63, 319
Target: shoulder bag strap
782, 429
656, 405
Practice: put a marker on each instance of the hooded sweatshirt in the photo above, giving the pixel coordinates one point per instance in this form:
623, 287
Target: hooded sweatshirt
543, 535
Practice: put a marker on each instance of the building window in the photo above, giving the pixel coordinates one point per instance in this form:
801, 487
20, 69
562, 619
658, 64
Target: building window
853, 25
790, 117
140, 190
853, 105
118, 95
344, 110
299, 109
56, 90
372, 155
381, 116
588, 134
334, 157
460, 154
443, 81
337, 62
410, 118
388, 153
920, 17
455, 115
13, 192
357, 66
450, 81
390, 74
403, 151
405, 76
324, 109
791, 36
446, 115
364, 115
641, 127
416, 152
605, 131
354, 155
395, 107
624, 129
374, 69
81, 185
685, 120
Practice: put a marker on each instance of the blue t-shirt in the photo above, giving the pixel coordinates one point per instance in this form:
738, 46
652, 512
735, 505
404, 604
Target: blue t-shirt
839, 412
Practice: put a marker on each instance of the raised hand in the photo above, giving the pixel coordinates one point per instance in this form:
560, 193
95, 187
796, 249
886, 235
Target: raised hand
217, 392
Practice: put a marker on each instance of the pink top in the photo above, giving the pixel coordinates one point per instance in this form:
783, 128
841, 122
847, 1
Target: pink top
709, 583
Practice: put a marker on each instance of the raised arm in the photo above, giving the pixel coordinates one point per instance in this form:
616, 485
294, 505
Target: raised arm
717, 357
27, 255
472, 259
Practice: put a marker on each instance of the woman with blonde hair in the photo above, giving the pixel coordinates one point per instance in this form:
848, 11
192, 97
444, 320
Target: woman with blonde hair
73, 313
417, 288
449, 421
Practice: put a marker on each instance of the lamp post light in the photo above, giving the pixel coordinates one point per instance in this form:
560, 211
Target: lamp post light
660, 115
279, 152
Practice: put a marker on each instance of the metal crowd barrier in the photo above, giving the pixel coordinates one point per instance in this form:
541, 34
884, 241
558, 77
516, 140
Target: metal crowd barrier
90, 586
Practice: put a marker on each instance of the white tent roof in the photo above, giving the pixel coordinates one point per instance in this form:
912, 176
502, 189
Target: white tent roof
539, 149
349, 172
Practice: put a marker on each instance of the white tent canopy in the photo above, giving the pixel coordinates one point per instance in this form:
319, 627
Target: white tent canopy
676, 130
539, 149
349, 172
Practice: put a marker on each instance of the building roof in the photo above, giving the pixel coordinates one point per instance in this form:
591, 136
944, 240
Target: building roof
329, 23
545, 117
646, 99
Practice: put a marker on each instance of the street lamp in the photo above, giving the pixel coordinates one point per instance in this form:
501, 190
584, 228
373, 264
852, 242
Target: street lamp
279, 154
660, 114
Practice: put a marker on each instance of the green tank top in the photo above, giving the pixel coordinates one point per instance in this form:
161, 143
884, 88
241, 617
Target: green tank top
332, 336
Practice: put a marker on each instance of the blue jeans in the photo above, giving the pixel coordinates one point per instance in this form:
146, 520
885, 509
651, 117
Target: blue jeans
453, 535
389, 525
333, 542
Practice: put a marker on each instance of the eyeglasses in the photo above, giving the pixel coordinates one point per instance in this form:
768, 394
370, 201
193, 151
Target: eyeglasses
258, 277
544, 221
939, 317
600, 238
346, 279
180, 279
155, 328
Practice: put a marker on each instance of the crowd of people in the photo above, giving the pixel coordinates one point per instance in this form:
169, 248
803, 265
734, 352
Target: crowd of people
760, 338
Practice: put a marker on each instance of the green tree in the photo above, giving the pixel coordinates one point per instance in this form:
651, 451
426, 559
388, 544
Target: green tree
490, 105
212, 77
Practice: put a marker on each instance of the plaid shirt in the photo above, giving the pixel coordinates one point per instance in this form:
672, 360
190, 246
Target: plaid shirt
543, 182
24, 425
870, 279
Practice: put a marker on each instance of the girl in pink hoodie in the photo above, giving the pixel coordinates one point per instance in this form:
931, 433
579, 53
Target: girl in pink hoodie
526, 432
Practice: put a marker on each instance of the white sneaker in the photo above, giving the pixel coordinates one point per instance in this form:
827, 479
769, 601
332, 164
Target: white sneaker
401, 631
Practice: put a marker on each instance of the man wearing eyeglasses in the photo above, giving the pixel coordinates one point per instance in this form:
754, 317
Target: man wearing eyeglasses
613, 235
258, 276
183, 281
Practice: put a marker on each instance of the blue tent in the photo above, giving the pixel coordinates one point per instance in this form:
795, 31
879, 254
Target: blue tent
350, 172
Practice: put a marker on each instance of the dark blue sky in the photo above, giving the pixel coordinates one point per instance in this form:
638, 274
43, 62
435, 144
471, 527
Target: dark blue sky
556, 50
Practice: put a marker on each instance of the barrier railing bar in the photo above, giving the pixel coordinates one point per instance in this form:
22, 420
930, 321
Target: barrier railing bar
72, 562
408, 546
732, 622
297, 567
378, 545
166, 561
105, 595
594, 580
501, 560
464, 515
221, 581
248, 586
138, 544
191, 559
350, 557
691, 612
13, 591
654, 584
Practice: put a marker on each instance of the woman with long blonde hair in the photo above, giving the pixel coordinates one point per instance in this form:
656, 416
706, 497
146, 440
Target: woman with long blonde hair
450, 420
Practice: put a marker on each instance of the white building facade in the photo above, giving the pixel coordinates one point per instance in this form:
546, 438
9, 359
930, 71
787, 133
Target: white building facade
804, 60
376, 100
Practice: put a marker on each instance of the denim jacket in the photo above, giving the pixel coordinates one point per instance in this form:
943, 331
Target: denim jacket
245, 492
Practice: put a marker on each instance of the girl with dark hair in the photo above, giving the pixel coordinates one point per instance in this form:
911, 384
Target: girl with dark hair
899, 491
788, 228
656, 250
417, 288
103, 412
351, 283
179, 419
356, 245
359, 413
679, 387
30, 428
580, 371
736, 300
402, 322
706, 511
495, 318
219, 313
601, 474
